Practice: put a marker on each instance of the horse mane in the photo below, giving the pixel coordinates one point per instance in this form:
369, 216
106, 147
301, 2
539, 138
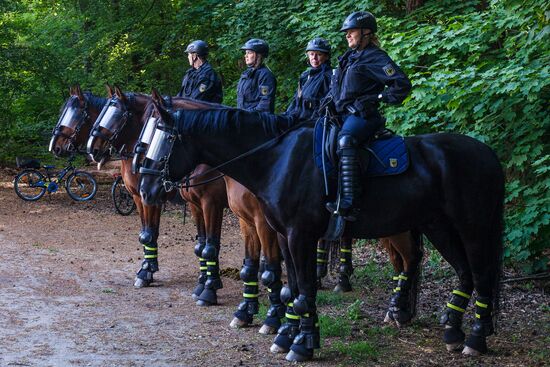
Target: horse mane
223, 120
96, 101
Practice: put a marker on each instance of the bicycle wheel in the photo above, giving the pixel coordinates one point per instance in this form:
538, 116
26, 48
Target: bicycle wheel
81, 186
123, 200
29, 185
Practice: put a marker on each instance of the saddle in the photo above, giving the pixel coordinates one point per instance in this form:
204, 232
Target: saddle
386, 150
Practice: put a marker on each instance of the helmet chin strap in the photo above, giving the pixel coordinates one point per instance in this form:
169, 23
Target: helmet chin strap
360, 43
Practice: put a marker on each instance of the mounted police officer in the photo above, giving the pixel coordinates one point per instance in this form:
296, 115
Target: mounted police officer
365, 77
257, 85
200, 81
314, 83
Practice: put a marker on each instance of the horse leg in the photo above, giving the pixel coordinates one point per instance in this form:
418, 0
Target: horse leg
484, 255
291, 328
271, 275
345, 270
403, 301
148, 238
447, 241
302, 251
196, 212
323, 247
397, 263
213, 216
249, 275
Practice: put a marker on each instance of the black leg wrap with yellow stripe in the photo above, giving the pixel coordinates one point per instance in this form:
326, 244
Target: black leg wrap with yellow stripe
399, 302
452, 317
322, 260
345, 270
288, 331
201, 243
149, 264
213, 281
309, 337
483, 325
249, 306
271, 278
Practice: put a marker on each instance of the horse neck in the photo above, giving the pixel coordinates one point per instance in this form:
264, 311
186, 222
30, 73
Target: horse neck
259, 171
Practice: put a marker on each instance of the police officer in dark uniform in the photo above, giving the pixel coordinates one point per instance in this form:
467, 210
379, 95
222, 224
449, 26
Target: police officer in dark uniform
366, 76
200, 81
314, 83
257, 86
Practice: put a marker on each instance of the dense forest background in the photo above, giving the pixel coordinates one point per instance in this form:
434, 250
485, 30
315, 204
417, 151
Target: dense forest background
480, 68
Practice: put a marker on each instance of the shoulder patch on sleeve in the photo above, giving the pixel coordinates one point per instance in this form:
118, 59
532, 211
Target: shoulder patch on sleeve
389, 70
202, 88
264, 89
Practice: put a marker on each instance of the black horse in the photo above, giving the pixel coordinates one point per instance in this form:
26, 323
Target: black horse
452, 192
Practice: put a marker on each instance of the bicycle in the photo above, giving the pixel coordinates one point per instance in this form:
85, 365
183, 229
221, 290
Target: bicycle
31, 184
122, 199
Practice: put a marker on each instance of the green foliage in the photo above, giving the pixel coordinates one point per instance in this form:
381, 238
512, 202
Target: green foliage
480, 68
360, 351
334, 326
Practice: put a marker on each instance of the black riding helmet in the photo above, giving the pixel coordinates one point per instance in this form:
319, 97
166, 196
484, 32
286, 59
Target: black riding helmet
318, 44
257, 45
360, 19
198, 47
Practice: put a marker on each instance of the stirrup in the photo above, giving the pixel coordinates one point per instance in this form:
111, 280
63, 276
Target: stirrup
349, 214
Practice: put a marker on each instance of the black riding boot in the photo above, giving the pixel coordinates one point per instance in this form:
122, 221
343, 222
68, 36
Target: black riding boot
350, 174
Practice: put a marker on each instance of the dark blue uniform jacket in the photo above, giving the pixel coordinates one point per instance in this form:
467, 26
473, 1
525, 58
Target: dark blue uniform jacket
362, 76
202, 83
313, 86
256, 90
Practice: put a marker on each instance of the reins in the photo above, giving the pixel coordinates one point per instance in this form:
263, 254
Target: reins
178, 184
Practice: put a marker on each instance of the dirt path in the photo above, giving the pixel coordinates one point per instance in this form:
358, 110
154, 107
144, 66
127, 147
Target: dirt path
66, 299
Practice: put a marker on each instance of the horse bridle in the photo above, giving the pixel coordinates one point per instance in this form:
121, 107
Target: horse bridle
173, 134
126, 116
81, 121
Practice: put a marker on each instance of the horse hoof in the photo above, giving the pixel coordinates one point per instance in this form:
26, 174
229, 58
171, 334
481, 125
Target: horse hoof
277, 349
267, 330
388, 318
467, 351
237, 323
341, 289
202, 303
453, 347
140, 283
194, 296
295, 357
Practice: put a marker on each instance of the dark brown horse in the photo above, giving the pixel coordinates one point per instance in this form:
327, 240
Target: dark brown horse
119, 129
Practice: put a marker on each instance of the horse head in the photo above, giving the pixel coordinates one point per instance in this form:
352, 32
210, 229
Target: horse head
75, 120
158, 170
111, 130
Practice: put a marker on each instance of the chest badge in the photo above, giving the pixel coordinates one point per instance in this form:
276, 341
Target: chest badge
393, 162
264, 90
202, 88
389, 70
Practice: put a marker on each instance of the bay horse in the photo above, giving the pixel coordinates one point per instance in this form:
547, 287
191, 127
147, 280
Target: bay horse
127, 118
453, 192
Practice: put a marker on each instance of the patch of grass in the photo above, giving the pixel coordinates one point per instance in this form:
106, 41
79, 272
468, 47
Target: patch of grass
354, 310
53, 250
357, 352
374, 273
377, 331
37, 245
108, 290
262, 312
330, 298
334, 326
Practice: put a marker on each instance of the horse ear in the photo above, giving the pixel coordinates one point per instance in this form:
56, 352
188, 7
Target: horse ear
78, 92
156, 97
71, 90
110, 91
119, 94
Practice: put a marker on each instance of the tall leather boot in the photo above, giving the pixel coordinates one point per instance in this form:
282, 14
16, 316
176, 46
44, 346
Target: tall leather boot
350, 175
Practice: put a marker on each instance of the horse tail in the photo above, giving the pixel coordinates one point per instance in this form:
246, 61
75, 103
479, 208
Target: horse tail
498, 232
418, 239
